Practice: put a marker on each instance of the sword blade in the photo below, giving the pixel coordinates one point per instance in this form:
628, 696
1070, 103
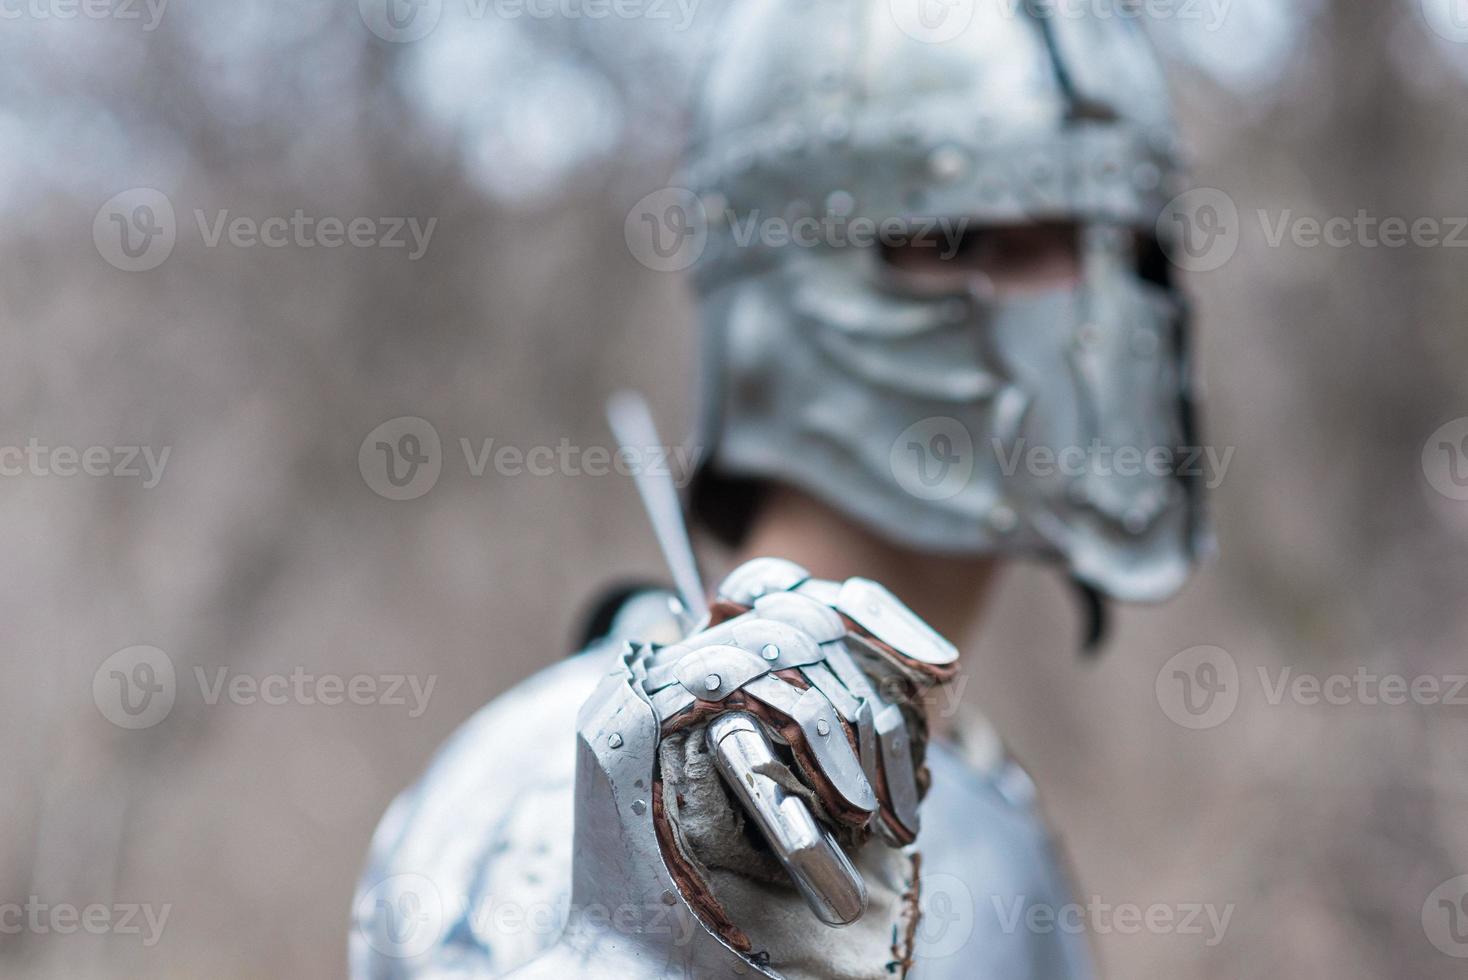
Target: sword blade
633, 427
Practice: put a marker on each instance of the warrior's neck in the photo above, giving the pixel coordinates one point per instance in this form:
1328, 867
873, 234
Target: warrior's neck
948, 592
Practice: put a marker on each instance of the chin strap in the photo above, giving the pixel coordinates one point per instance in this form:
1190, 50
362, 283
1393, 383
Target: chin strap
1098, 621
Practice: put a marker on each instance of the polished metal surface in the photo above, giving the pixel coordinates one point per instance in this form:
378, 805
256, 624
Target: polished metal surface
938, 418
570, 844
831, 886
884, 616
632, 424
481, 850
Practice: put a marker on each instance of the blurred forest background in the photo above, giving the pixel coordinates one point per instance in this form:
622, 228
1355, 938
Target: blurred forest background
262, 550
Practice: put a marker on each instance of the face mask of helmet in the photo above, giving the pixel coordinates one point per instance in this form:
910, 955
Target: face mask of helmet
957, 419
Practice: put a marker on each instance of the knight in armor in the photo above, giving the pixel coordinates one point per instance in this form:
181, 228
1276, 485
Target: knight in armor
748, 783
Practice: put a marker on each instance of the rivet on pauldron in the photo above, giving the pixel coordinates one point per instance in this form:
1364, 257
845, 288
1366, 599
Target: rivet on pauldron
822, 727
615, 741
770, 652
711, 682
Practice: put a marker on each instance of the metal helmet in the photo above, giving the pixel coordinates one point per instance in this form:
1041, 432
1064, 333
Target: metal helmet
1047, 424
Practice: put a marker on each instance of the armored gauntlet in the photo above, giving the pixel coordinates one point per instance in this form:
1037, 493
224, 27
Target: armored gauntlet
778, 767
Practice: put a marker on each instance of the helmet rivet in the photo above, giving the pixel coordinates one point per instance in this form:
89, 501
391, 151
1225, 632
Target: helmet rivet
615, 741
823, 727
770, 652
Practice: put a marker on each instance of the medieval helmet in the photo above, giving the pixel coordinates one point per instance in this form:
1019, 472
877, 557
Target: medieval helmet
1049, 423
